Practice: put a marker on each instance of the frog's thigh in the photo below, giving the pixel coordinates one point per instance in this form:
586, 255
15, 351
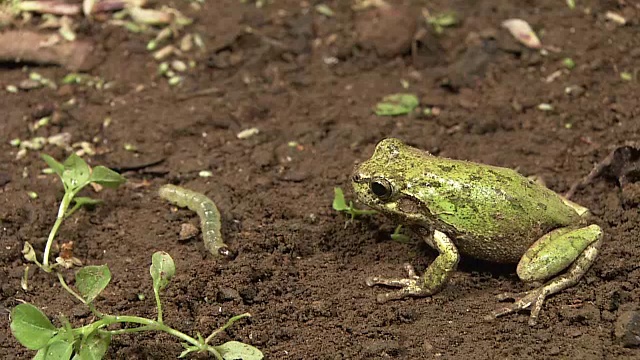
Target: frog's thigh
555, 251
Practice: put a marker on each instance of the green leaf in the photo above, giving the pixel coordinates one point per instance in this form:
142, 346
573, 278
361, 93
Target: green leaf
339, 203
400, 237
234, 350
57, 350
41, 354
91, 280
28, 253
53, 164
162, 269
397, 104
107, 177
94, 346
76, 172
31, 327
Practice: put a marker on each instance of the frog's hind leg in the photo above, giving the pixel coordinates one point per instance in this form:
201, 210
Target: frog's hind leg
434, 277
549, 256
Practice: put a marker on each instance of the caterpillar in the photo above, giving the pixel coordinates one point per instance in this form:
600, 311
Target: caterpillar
206, 210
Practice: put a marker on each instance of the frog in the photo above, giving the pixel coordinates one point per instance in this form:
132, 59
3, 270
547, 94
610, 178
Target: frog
462, 208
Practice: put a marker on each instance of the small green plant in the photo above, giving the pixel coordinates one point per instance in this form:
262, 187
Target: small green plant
75, 175
397, 104
443, 20
568, 63
340, 204
35, 331
398, 236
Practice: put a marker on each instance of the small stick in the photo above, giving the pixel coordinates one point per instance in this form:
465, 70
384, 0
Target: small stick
27, 46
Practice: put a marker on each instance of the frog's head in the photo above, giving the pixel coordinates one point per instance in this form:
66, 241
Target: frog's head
389, 180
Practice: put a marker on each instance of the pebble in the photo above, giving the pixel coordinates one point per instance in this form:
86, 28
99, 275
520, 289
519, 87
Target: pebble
627, 329
188, 231
227, 294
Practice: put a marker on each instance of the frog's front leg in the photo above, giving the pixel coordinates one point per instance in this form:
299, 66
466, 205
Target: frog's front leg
434, 277
547, 257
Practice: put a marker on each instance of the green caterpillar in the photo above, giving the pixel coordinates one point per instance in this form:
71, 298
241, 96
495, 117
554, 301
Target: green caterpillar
206, 210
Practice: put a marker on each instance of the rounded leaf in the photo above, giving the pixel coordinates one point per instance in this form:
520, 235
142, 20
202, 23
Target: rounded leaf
53, 164
162, 269
58, 350
234, 350
94, 346
91, 280
31, 327
106, 177
76, 172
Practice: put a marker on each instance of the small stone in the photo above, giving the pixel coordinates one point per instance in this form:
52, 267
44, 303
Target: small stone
294, 175
227, 294
627, 329
29, 84
573, 333
553, 351
388, 30
249, 294
631, 194
382, 348
574, 90
188, 231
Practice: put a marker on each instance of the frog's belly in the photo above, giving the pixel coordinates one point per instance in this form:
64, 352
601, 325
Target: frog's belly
506, 249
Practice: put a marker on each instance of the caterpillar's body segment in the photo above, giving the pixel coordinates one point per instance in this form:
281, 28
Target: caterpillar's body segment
206, 210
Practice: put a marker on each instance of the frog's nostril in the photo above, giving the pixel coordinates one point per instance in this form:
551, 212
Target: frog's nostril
356, 178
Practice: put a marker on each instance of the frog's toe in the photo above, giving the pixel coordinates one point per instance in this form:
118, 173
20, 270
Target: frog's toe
401, 283
533, 300
411, 289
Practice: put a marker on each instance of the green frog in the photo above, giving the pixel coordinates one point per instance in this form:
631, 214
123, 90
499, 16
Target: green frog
462, 208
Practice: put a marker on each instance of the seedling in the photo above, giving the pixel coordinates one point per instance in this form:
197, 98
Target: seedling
443, 20
568, 63
340, 204
34, 330
75, 175
397, 104
398, 236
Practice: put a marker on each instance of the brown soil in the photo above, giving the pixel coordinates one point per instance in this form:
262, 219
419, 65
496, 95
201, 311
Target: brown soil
301, 266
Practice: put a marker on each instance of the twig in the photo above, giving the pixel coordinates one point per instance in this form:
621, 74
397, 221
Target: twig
26, 46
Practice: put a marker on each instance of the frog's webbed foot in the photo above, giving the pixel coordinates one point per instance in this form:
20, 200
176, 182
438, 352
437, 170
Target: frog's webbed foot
434, 277
533, 300
409, 285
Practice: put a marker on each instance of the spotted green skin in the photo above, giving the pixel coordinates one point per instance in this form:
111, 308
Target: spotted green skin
491, 213
486, 212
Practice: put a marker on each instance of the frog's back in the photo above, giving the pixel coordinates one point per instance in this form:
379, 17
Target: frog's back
492, 213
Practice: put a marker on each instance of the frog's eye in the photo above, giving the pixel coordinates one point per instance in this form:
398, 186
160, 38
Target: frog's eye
380, 188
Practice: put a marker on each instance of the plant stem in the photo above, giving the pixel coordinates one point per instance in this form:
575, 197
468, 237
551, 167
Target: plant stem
64, 205
149, 325
225, 326
131, 330
158, 303
69, 290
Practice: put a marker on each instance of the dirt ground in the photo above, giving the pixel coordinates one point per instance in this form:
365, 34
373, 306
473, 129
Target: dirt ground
303, 77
